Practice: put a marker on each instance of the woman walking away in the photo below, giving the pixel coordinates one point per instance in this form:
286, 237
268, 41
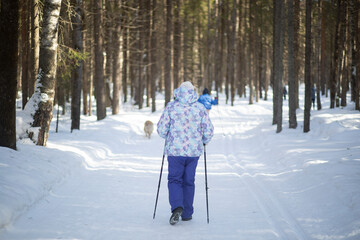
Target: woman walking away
186, 127
207, 100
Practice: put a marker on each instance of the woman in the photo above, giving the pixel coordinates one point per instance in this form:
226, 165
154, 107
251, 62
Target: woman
186, 127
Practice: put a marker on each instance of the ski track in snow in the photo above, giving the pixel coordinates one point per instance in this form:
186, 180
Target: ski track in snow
286, 227
279, 218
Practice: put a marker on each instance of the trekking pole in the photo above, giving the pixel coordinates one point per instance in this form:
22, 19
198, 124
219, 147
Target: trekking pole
157, 195
206, 187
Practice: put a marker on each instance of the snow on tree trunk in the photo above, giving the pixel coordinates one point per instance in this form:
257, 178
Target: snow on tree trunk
40, 105
35, 44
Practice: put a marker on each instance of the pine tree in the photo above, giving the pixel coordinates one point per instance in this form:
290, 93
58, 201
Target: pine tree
99, 61
278, 62
78, 71
308, 85
168, 51
291, 66
9, 26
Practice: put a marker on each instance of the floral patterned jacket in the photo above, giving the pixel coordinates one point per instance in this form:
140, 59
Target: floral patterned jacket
185, 124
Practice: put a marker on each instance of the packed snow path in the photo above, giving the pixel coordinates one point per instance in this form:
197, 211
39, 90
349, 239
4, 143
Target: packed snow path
262, 185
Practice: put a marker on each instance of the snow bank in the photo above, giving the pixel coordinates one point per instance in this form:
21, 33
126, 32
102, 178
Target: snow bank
27, 175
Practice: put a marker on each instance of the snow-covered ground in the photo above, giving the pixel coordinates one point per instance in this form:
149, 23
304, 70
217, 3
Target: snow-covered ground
100, 182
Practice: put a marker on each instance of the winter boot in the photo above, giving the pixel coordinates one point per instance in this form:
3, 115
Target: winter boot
186, 219
174, 219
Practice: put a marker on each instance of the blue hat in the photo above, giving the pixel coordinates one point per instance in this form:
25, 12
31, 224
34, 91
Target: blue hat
206, 91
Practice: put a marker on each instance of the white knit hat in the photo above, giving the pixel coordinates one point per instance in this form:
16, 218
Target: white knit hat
187, 85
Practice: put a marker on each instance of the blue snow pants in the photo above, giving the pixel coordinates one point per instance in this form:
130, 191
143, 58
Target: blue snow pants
181, 183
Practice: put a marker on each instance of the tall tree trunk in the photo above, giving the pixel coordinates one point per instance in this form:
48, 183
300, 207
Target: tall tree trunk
357, 54
341, 78
298, 57
347, 55
91, 59
35, 44
256, 62
91, 81
140, 51
132, 66
99, 61
239, 50
291, 66
191, 55
218, 49
88, 65
251, 49
198, 50
208, 51
40, 105
85, 80
124, 72
177, 44
153, 53
185, 45
323, 58
307, 67
168, 51
278, 62
229, 62
318, 56
78, 71
147, 40
109, 47
222, 32
9, 25
267, 75
25, 52
353, 12
116, 60
334, 68
220, 43
260, 43
133, 54
232, 53
242, 48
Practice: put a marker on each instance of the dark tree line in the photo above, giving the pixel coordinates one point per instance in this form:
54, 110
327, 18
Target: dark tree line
118, 51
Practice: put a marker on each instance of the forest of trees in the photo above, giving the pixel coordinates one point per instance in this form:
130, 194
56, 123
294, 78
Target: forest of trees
59, 51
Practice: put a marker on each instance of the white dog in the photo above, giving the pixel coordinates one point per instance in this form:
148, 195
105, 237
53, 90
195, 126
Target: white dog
148, 128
